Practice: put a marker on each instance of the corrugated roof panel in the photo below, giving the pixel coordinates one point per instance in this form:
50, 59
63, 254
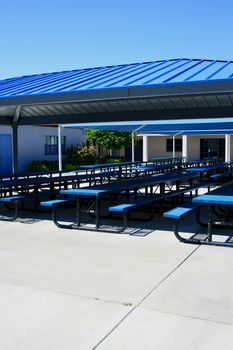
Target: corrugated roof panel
224, 72
99, 79
51, 84
204, 74
133, 77
168, 73
197, 70
175, 76
145, 74
69, 84
36, 82
128, 75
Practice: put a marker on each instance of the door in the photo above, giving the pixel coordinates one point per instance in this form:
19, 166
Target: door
5, 154
212, 148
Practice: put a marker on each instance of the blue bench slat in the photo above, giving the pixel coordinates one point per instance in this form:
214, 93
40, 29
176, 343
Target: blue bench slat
216, 175
221, 174
121, 207
26, 196
228, 199
12, 198
56, 202
140, 202
177, 212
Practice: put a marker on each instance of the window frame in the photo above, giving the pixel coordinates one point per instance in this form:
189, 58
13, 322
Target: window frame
178, 145
51, 145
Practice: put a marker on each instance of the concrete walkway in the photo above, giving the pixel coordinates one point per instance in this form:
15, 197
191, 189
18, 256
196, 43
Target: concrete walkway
69, 290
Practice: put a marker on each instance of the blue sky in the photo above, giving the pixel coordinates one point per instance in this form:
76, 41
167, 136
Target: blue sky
38, 36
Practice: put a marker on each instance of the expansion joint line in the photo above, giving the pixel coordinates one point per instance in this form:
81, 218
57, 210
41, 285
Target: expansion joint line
144, 298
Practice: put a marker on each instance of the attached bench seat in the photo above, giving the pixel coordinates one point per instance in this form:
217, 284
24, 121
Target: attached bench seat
220, 176
176, 214
58, 203
18, 200
125, 208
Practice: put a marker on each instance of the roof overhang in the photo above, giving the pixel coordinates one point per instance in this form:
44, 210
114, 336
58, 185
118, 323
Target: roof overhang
168, 101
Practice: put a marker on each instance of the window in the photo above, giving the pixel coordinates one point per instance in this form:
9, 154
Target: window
178, 145
51, 145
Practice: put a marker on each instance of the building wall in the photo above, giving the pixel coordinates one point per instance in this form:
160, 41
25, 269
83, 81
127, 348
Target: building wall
31, 142
157, 147
193, 145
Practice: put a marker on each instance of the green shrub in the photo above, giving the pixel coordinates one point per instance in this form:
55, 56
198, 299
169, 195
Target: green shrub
42, 165
113, 160
87, 155
70, 167
77, 155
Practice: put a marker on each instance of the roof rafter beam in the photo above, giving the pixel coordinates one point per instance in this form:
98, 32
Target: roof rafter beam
17, 114
211, 112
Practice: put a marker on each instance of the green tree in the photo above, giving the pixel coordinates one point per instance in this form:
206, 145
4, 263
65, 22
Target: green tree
109, 139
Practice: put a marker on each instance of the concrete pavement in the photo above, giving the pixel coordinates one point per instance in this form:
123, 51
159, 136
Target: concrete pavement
68, 289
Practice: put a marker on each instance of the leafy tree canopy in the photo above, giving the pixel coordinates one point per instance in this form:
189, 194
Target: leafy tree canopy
109, 139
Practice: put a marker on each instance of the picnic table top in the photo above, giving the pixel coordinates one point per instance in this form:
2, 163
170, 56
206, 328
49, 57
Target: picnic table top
107, 165
206, 167
128, 184
221, 195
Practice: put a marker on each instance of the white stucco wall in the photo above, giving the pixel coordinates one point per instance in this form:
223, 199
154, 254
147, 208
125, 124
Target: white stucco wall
157, 147
32, 142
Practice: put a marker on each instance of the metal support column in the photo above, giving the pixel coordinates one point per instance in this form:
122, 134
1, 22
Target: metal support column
15, 151
174, 146
227, 148
185, 146
132, 145
145, 148
59, 148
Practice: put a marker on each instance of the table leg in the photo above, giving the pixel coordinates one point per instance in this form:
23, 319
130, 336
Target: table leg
78, 211
210, 222
97, 214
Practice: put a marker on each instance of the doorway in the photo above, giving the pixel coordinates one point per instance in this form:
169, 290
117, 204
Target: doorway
212, 148
5, 154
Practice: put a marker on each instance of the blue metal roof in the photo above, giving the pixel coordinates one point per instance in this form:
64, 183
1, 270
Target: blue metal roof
121, 76
212, 126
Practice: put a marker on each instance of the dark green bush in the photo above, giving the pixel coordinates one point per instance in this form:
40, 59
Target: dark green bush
113, 160
78, 155
70, 167
42, 165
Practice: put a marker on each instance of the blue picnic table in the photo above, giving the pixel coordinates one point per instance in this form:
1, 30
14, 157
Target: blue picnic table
222, 196
126, 186
207, 169
218, 202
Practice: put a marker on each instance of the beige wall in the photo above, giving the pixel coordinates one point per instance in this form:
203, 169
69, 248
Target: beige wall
157, 147
194, 145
